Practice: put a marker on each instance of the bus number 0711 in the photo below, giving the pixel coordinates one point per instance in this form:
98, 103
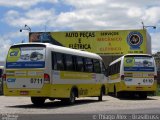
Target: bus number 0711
36, 80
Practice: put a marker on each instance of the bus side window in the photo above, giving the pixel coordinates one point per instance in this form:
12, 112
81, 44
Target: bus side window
69, 63
118, 69
79, 64
96, 64
114, 68
54, 61
111, 68
88, 65
1, 72
60, 62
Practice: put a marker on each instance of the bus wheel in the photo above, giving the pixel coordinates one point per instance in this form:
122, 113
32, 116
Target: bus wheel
143, 95
71, 100
51, 99
100, 98
117, 94
38, 101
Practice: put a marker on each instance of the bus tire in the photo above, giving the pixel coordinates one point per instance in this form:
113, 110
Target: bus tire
143, 95
100, 98
117, 94
51, 99
102, 92
38, 101
71, 100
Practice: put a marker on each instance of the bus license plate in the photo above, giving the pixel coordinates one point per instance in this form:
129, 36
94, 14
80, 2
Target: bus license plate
24, 92
139, 88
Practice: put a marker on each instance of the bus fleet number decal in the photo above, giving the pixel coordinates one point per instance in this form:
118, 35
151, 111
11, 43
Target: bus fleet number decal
147, 80
36, 80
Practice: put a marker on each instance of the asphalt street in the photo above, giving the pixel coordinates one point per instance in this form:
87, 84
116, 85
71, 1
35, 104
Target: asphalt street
87, 108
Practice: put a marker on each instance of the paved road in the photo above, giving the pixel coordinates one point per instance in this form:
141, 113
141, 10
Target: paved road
23, 107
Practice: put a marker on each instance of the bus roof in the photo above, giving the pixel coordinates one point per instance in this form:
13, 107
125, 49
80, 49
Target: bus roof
62, 49
119, 59
137, 55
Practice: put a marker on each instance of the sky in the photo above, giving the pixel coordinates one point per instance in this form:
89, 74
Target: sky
75, 15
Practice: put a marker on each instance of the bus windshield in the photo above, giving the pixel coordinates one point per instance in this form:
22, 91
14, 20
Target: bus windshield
26, 57
139, 63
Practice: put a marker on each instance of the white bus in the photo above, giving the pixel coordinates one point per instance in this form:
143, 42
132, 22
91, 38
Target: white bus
45, 71
132, 74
